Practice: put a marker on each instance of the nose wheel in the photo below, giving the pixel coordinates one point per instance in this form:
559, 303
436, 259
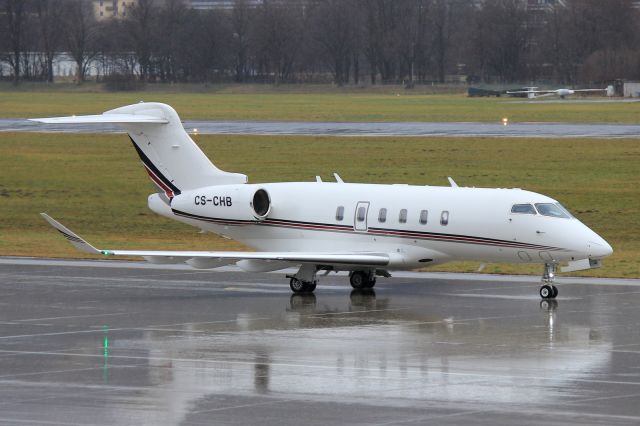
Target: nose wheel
548, 290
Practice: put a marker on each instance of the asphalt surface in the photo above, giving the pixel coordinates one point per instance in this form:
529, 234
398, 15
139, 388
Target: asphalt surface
128, 343
541, 130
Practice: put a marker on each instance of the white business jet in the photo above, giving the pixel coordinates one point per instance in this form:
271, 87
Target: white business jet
533, 92
365, 229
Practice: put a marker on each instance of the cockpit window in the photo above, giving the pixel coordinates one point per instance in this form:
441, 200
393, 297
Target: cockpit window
523, 208
553, 210
561, 207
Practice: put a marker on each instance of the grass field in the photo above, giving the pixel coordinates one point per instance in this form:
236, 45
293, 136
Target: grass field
95, 184
307, 103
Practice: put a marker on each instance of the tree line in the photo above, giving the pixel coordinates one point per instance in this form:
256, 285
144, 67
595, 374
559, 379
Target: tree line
339, 41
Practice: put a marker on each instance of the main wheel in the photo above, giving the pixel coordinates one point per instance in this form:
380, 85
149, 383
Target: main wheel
370, 283
555, 291
359, 279
546, 292
296, 285
309, 287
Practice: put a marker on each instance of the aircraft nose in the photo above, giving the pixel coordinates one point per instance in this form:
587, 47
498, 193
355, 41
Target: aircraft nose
599, 249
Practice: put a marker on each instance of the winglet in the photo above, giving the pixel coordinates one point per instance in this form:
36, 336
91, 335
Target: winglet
73, 238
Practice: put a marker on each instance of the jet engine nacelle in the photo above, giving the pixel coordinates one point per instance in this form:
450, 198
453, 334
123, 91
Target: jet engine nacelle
230, 202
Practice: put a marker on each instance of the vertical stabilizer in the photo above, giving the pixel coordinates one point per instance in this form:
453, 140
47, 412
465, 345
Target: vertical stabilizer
173, 161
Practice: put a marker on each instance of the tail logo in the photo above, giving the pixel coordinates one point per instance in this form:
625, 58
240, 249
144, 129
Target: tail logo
161, 181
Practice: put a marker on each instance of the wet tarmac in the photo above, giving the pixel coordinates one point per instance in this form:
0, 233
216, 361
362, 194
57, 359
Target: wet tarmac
497, 129
128, 343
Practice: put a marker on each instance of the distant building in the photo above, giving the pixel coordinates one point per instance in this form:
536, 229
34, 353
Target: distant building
112, 9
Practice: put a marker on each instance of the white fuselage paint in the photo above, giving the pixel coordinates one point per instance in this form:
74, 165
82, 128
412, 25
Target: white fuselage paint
302, 217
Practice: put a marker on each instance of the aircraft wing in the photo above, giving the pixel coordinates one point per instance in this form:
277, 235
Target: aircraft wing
589, 90
525, 92
196, 258
545, 93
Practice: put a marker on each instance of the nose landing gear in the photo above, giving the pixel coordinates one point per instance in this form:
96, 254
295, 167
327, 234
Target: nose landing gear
548, 290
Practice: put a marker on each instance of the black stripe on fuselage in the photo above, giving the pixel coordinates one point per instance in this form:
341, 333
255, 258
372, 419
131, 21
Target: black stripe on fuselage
387, 232
147, 162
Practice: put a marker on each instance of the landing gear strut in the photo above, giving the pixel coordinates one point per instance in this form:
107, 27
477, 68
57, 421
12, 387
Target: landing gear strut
304, 281
362, 279
548, 290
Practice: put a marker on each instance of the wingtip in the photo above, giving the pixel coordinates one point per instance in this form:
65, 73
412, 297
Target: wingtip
77, 241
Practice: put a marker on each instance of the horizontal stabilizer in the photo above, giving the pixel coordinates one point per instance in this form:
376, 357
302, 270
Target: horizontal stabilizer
103, 118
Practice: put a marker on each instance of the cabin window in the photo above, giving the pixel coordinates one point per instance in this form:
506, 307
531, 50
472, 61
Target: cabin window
444, 218
552, 210
382, 215
523, 208
403, 216
340, 213
362, 212
423, 217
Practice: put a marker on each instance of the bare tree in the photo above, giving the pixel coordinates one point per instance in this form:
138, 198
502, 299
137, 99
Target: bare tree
241, 27
277, 37
49, 16
81, 34
502, 38
141, 28
14, 12
170, 24
335, 30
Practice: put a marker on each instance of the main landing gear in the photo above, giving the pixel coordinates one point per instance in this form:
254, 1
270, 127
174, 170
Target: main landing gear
362, 279
304, 281
548, 290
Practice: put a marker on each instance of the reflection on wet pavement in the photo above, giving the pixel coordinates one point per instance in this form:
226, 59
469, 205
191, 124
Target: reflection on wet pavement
127, 346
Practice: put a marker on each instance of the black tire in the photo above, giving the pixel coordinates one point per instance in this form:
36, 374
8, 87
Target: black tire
371, 283
555, 291
358, 280
546, 292
297, 286
310, 287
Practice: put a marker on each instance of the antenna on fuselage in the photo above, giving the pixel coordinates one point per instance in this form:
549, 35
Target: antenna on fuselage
452, 182
338, 178
318, 179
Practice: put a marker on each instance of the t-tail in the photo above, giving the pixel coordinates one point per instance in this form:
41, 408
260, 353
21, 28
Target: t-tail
170, 157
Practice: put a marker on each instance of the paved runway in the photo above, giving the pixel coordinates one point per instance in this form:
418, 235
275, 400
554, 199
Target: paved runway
541, 130
126, 343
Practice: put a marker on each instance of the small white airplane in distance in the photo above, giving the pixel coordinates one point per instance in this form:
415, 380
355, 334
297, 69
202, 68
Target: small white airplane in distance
533, 93
368, 230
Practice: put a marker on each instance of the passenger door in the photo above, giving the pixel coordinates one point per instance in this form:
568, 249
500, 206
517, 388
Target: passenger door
360, 216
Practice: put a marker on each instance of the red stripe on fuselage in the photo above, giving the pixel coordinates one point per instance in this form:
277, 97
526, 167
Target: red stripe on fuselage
168, 192
373, 231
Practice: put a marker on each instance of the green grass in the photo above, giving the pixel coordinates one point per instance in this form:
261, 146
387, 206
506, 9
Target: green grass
95, 184
306, 103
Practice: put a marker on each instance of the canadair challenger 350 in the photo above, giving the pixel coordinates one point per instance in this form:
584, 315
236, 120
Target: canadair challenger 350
365, 229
